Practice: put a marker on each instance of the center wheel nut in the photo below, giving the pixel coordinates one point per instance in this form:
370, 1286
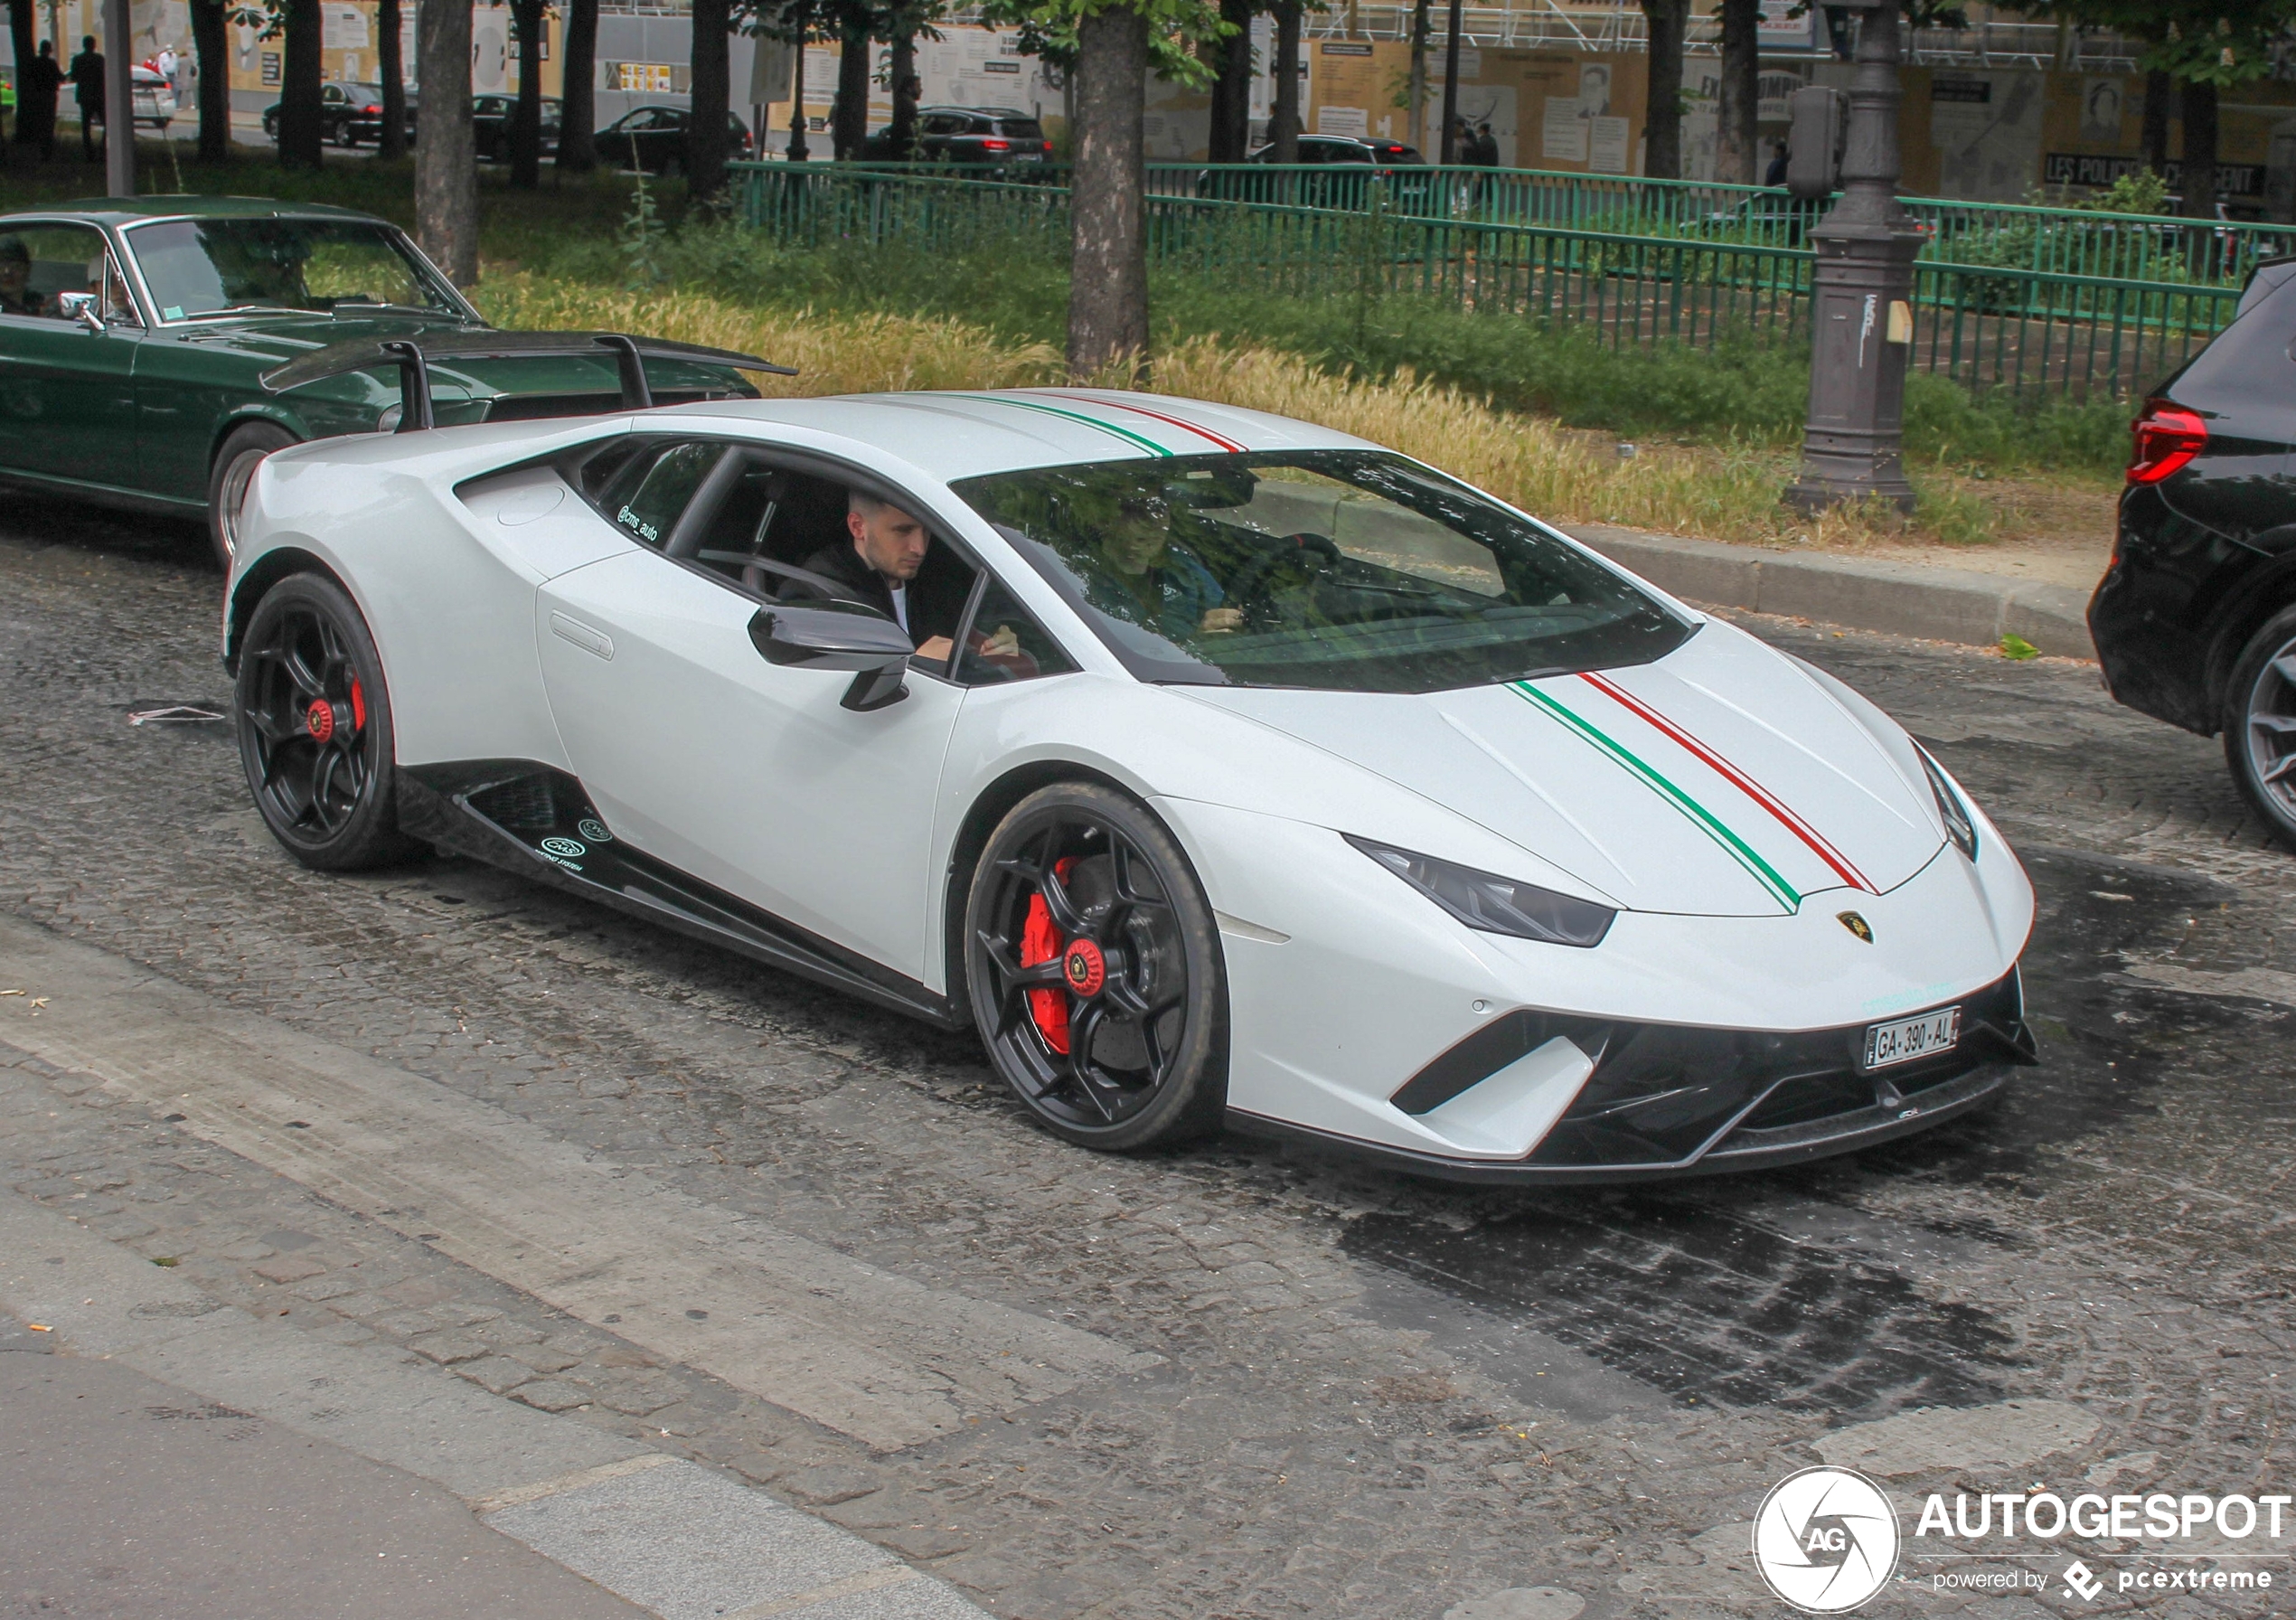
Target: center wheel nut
1083, 967
319, 721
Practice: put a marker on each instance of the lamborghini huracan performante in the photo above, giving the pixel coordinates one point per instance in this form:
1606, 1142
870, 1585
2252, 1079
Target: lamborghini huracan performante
1216, 768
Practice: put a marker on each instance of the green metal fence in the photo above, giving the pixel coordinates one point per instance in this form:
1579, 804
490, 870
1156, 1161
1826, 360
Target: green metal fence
2040, 302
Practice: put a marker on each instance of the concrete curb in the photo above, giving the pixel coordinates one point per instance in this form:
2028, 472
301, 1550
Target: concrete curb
1858, 593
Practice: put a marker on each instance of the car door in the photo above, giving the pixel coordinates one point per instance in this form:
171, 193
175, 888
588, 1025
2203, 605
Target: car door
750, 776
67, 392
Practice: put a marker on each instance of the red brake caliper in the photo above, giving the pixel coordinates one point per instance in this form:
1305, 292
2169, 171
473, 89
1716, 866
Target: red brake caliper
1040, 942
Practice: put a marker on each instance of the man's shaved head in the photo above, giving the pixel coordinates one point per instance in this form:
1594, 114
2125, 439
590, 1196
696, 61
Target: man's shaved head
889, 540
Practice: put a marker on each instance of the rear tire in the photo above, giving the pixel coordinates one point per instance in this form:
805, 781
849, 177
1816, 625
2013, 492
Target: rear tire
227, 479
1094, 971
2260, 725
313, 718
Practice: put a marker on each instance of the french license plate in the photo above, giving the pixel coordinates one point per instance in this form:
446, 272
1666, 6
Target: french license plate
1906, 1039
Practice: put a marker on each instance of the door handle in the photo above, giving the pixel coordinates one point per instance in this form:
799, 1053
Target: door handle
595, 642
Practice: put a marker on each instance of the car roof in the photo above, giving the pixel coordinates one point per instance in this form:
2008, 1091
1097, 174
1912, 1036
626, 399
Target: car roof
982, 112
962, 435
128, 211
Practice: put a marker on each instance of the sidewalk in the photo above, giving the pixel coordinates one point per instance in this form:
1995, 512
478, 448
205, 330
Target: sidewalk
1974, 597
249, 1465
168, 1443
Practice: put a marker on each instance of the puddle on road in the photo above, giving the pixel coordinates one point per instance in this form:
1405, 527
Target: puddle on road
1703, 1304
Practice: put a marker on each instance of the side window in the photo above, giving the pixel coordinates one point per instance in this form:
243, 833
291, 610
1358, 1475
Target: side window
40, 263
1004, 642
646, 498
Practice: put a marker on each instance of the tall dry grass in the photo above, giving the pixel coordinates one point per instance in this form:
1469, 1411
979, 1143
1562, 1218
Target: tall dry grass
1565, 476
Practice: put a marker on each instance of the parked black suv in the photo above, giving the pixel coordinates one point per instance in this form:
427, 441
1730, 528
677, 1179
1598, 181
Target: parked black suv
992, 136
2196, 619
490, 121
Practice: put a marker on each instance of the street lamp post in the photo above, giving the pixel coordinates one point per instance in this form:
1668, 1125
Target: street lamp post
1861, 293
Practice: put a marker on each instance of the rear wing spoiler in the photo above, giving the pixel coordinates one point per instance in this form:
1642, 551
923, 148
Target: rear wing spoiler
414, 360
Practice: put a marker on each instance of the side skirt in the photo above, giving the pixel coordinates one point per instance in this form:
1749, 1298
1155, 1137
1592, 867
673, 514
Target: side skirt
536, 822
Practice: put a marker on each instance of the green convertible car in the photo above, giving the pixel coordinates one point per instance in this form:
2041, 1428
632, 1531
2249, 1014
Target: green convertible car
153, 350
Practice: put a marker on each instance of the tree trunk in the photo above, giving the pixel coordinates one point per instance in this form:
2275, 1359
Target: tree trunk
1109, 259
2198, 179
849, 114
528, 21
299, 132
578, 110
907, 88
2159, 90
1416, 88
392, 142
1662, 125
1736, 137
446, 164
1231, 138
1283, 126
211, 63
706, 131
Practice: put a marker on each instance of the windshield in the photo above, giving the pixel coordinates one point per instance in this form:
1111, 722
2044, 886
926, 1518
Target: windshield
1336, 571
201, 267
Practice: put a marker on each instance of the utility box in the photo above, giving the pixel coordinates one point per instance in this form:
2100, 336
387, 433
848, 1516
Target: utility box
1821, 118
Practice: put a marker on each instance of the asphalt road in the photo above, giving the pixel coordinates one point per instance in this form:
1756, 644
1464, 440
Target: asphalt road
1369, 1397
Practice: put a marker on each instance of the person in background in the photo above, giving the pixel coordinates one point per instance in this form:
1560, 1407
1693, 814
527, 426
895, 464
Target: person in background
87, 76
36, 89
1776, 175
1483, 151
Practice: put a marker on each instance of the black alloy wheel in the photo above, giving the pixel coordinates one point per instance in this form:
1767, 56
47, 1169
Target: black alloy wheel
1094, 970
314, 725
2260, 725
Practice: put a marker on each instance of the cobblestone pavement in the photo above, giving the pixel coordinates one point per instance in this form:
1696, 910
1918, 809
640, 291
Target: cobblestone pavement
1377, 1398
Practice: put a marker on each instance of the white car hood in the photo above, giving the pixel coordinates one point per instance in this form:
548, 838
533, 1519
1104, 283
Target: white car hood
1723, 780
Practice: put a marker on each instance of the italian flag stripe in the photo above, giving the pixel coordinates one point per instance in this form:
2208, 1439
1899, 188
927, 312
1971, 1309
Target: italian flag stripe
1149, 444
1731, 844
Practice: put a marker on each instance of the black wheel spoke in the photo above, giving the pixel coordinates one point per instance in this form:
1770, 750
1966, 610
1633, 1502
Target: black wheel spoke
1012, 977
1084, 1029
306, 682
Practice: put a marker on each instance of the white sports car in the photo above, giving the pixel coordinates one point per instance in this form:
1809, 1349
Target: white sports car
1215, 766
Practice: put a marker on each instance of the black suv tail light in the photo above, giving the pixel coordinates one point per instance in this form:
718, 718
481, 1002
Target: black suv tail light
2166, 437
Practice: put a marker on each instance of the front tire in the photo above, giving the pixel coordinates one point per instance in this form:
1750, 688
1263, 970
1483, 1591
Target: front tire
1094, 971
227, 481
313, 718
2260, 725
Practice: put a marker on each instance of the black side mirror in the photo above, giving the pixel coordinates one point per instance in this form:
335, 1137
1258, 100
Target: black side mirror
837, 635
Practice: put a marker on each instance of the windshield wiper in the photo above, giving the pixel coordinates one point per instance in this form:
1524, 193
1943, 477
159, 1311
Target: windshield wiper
342, 303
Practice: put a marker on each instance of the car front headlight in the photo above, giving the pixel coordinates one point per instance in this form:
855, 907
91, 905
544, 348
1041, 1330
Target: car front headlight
1493, 904
1961, 826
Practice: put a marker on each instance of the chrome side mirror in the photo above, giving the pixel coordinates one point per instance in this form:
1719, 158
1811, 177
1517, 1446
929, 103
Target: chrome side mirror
80, 307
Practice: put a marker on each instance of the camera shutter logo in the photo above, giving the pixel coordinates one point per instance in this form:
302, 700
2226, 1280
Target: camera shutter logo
1826, 1540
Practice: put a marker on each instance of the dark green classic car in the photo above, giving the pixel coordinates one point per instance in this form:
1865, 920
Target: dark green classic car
135, 335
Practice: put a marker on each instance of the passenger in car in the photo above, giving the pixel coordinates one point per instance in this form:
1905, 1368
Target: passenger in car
879, 562
17, 294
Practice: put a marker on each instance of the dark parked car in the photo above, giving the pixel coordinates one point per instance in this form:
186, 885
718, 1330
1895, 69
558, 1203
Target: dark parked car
652, 138
135, 334
1349, 167
349, 115
991, 137
491, 117
2196, 619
